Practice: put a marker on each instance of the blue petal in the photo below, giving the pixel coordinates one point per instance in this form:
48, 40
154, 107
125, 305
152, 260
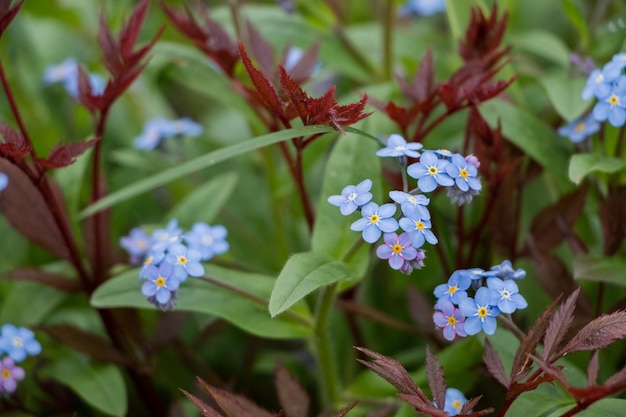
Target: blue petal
163, 296
489, 325
387, 210
427, 184
388, 225
360, 224
473, 325
371, 234
347, 208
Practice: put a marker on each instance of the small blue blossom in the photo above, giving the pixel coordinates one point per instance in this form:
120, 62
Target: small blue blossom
162, 239
596, 86
137, 244
398, 146
473, 160
417, 263
293, 57
66, 73
613, 69
10, 375
160, 282
153, 258
430, 171
463, 173
450, 319
18, 342
444, 153
397, 249
481, 315
419, 230
375, 221
505, 295
209, 240
455, 400
155, 130
454, 290
411, 205
580, 129
613, 107
505, 271
352, 197
4, 181
185, 262
423, 7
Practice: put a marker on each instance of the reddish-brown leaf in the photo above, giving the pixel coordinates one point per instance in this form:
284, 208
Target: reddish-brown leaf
392, 371
25, 208
488, 91
58, 281
206, 410
15, 145
483, 34
559, 325
348, 114
592, 369
470, 404
263, 85
449, 95
64, 155
599, 333
292, 397
261, 50
87, 343
130, 30
109, 49
519, 388
424, 79
7, 13
436, 379
552, 370
345, 410
384, 411
424, 407
494, 364
298, 98
617, 378
234, 405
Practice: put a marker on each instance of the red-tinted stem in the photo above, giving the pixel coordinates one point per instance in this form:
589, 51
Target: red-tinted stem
97, 179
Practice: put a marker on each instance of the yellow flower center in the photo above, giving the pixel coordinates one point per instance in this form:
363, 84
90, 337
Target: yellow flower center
412, 200
148, 261
482, 312
463, 173
451, 321
397, 249
6, 374
433, 170
374, 218
419, 225
613, 100
17, 342
452, 289
142, 244
457, 404
182, 260
160, 282
579, 127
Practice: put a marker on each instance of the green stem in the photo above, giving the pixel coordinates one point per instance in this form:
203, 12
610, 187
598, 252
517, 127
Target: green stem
329, 381
388, 39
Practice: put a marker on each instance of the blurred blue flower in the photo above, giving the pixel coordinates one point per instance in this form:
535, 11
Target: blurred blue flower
10, 375
160, 282
479, 313
613, 107
209, 240
430, 171
398, 146
613, 69
463, 173
185, 262
423, 7
396, 249
66, 73
4, 181
155, 130
411, 205
352, 197
580, 129
454, 290
375, 221
450, 319
18, 342
153, 258
137, 244
162, 239
505, 271
455, 400
419, 230
596, 86
505, 295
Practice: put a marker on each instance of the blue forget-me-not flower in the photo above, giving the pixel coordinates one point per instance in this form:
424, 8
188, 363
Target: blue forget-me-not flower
430, 171
352, 197
375, 221
397, 146
18, 342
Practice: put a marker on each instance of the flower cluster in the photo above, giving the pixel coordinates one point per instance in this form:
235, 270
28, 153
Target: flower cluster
66, 73
458, 314
435, 168
158, 129
171, 256
17, 343
608, 85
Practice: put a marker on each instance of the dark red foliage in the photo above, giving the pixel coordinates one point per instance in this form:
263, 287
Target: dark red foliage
559, 325
494, 364
613, 219
15, 147
7, 13
63, 155
58, 281
483, 35
436, 379
264, 87
292, 397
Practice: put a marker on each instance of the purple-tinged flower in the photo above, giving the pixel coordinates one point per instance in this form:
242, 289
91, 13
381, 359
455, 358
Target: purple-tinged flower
454, 290
18, 342
396, 249
582, 65
505, 295
136, 244
398, 146
352, 197
430, 171
613, 107
460, 197
185, 262
580, 129
455, 400
463, 173
417, 263
419, 230
209, 240
411, 205
10, 375
473, 160
596, 86
480, 314
450, 319
505, 271
162, 239
375, 221
423, 7
161, 282
4, 181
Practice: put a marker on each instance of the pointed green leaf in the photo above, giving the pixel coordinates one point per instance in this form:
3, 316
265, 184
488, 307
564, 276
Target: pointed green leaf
544, 44
582, 164
595, 268
606, 407
564, 94
238, 297
200, 163
304, 273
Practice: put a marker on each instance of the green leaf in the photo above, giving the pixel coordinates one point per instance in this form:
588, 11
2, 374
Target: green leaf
537, 404
543, 44
200, 163
302, 274
205, 202
352, 160
598, 269
40, 299
564, 94
238, 297
531, 134
578, 19
607, 407
102, 386
582, 164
